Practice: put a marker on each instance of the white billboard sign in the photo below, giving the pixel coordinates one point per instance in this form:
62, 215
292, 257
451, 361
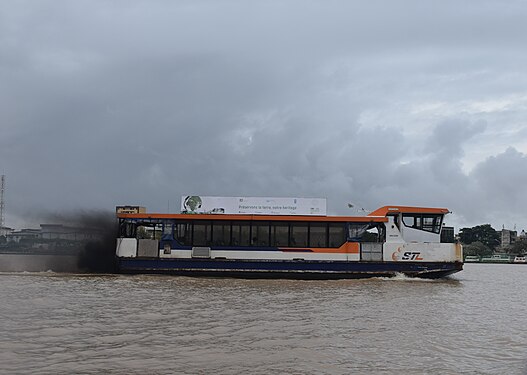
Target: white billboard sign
195, 204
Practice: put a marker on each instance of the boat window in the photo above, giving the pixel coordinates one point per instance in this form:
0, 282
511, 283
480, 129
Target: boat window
426, 222
146, 230
183, 233
143, 233
447, 235
366, 232
318, 235
298, 237
396, 220
409, 221
241, 233
374, 234
337, 234
167, 228
168, 231
127, 229
221, 233
356, 231
260, 233
431, 223
280, 234
201, 234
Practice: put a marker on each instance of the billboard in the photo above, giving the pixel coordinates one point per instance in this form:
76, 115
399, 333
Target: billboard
195, 204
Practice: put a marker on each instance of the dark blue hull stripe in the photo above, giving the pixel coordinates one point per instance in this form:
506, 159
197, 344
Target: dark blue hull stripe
285, 268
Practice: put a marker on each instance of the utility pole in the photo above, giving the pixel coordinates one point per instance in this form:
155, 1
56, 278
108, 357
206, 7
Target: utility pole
2, 188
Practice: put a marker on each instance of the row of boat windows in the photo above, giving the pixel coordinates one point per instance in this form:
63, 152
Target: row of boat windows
261, 234
241, 233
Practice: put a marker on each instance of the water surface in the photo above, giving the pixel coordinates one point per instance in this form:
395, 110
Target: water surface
472, 323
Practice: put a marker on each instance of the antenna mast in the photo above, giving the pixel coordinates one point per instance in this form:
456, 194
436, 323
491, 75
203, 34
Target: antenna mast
2, 188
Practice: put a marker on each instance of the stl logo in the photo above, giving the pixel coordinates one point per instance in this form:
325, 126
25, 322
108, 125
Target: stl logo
396, 255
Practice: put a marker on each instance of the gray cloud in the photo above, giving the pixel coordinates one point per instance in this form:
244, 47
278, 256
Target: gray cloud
381, 103
499, 178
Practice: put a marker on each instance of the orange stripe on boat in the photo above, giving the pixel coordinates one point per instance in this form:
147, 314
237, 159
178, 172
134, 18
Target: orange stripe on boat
346, 248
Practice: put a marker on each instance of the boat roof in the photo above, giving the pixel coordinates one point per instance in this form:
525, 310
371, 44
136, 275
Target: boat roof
386, 210
156, 216
377, 216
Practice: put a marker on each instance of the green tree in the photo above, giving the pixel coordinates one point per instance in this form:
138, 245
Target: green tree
519, 247
480, 233
477, 248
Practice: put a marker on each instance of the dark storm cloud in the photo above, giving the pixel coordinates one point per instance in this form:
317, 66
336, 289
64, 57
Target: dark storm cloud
498, 179
105, 103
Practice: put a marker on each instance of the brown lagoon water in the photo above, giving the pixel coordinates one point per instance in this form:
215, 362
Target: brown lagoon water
473, 323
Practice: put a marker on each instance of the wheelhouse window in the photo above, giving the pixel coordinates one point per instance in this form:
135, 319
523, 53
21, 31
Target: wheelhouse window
425, 222
396, 219
409, 221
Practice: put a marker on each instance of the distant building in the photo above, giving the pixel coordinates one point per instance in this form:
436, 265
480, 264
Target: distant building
23, 234
62, 232
4, 231
522, 236
130, 210
53, 232
508, 237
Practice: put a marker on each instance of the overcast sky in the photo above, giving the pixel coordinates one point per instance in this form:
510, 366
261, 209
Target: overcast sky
366, 102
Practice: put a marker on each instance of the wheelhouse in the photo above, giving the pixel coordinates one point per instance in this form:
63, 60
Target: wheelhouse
416, 224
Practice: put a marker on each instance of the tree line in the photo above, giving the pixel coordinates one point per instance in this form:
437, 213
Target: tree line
483, 240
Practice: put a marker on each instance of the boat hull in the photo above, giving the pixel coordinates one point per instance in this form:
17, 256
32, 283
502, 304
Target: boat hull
262, 269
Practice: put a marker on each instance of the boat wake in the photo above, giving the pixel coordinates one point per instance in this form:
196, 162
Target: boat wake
402, 277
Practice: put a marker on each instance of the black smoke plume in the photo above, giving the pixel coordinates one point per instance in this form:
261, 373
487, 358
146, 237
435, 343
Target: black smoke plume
97, 255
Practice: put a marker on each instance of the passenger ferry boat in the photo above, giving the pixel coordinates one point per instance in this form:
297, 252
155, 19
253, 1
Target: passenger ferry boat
389, 241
